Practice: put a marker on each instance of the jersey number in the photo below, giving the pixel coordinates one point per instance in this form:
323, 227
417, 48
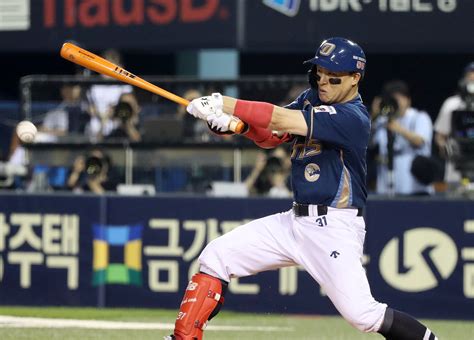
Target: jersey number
321, 221
312, 148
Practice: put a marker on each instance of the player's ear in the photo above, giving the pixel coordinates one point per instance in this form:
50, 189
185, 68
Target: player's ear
355, 78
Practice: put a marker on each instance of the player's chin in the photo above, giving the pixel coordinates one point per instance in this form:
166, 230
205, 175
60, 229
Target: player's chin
324, 97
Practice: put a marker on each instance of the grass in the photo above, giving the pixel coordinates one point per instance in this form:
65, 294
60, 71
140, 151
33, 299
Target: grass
302, 327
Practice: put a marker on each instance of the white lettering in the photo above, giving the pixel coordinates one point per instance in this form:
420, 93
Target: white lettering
25, 234
468, 280
154, 278
235, 287
384, 5
199, 239
400, 5
25, 260
447, 5
51, 234
172, 247
329, 5
70, 234
333, 5
70, 263
353, 4
419, 6
4, 231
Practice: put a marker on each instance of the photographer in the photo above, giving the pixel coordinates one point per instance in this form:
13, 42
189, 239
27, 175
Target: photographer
270, 175
125, 114
92, 172
403, 135
70, 117
464, 100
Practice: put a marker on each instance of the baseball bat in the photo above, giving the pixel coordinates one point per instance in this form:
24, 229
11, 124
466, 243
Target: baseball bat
98, 64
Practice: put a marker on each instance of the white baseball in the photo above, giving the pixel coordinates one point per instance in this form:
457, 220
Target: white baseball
26, 131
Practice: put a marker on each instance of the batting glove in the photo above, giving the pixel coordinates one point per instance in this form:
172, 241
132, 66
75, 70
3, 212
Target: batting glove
205, 106
219, 121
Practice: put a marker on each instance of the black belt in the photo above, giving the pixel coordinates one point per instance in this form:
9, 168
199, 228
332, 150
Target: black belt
303, 210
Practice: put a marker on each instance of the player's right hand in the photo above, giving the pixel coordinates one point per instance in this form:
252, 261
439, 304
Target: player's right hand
204, 107
219, 121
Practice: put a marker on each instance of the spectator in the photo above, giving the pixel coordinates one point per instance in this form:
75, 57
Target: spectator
104, 97
270, 175
70, 117
93, 172
402, 133
464, 100
126, 119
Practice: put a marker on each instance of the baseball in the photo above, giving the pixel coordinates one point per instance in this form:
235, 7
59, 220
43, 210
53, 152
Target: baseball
26, 131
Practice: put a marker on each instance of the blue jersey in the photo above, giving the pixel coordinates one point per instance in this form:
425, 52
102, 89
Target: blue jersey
329, 164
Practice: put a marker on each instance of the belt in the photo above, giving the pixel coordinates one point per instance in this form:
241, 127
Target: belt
308, 210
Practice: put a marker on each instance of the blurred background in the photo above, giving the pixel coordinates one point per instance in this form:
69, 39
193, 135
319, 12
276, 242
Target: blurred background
121, 189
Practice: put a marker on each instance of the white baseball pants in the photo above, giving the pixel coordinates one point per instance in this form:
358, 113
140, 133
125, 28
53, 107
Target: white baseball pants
285, 240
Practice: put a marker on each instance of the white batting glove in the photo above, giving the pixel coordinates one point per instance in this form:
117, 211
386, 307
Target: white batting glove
205, 106
219, 121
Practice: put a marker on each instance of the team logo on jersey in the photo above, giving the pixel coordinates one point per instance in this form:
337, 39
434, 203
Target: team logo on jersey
324, 108
312, 172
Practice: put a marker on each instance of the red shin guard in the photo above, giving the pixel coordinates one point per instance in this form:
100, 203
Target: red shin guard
203, 295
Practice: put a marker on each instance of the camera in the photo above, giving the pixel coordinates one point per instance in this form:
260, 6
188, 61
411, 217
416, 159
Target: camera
94, 166
388, 106
123, 111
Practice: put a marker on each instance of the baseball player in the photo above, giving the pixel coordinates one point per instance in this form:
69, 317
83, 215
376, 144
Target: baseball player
324, 231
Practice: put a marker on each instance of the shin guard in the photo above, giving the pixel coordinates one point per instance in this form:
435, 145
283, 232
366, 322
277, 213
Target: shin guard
202, 297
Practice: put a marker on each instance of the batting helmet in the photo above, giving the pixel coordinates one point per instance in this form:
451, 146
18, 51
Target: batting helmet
340, 55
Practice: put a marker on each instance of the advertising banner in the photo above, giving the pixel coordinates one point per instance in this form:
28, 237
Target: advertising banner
27, 25
422, 256
120, 251
381, 26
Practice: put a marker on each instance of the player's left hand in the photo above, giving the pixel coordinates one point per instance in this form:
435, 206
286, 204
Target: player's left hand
205, 106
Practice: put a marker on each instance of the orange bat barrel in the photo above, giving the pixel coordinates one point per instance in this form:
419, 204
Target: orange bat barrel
98, 64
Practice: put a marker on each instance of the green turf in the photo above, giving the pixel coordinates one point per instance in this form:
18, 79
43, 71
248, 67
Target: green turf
302, 327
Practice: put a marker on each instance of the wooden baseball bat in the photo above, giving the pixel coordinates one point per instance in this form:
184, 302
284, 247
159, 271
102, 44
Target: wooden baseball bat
98, 64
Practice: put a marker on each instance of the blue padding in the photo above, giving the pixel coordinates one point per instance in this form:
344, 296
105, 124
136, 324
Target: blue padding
99, 232
135, 232
117, 236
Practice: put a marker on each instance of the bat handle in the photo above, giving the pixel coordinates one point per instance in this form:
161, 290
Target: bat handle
236, 125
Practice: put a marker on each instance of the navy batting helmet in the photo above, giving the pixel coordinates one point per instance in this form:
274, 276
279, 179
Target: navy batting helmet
340, 55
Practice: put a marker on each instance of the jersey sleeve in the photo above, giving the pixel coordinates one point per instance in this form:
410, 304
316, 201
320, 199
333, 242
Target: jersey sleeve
338, 124
298, 103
